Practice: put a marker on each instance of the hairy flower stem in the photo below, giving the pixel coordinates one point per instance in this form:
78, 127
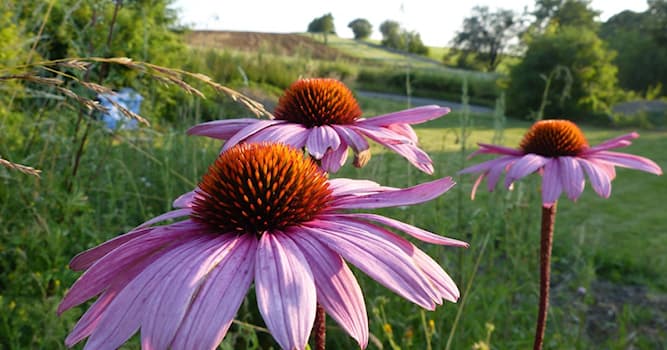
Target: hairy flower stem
320, 328
547, 235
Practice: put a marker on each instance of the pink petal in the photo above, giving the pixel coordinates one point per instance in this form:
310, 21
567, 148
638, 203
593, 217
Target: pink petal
166, 216
352, 138
551, 184
628, 161
285, 290
113, 264
572, 177
321, 139
393, 198
88, 257
438, 277
414, 155
404, 130
171, 296
91, 318
476, 184
334, 160
220, 129
413, 231
380, 134
525, 165
250, 130
343, 187
488, 165
599, 178
288, 133
381, 258
409, 116
337, 289
485, 148
124, 315
215, 304
496, 171
617, 142
185, 200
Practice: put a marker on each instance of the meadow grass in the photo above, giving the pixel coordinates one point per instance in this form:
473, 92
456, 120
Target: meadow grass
128, 177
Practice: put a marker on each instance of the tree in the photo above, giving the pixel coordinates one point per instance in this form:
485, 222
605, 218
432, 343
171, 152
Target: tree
395, 37
582, 54
487, 34
642, 58
361, 28
562, 13
324, 25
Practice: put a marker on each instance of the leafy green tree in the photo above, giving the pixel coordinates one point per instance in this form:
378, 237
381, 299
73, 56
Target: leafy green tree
323, 25
588, 93
361, 28
395, 37
642, 57
487, 35
565, 13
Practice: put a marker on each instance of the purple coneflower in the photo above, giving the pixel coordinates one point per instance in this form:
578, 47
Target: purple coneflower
323, 116
265, 214
558, 150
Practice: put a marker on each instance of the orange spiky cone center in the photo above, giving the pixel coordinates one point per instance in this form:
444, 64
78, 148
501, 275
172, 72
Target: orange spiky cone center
317, 102
254, 188
554, 138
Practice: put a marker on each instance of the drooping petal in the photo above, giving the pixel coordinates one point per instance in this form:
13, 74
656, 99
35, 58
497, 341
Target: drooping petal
166, 216
628, 161
337, 289
487, 165
288, 133
415, 115
185, 200
88, 257
496, 171
123, 316
334, 160
438, 277
343, 187
599, 178
408, 196
476, 184
572, 177
413, 231
404, 130
221, 129
617, 142
551, 184
321, 139
380, 134
352, 138
525, 165
382, 259
170, 299
215, 304
285, 290
91, 318
414, 155
485, 148
116, 262
250, 130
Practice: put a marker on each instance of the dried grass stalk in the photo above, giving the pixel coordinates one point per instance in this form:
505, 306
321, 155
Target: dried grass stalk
22, 168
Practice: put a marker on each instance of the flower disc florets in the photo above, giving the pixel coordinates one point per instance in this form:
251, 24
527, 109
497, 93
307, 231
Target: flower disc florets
554, 138
317, 102
255, 188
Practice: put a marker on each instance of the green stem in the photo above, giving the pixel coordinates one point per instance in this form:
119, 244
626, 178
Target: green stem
547, 234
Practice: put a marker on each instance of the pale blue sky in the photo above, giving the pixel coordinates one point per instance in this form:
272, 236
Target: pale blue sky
435, 21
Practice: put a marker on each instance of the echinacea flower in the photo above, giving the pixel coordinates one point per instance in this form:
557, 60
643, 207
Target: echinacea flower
558, 150
263, 213
323, 116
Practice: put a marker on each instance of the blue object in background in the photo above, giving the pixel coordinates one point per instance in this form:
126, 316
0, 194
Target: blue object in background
114, 119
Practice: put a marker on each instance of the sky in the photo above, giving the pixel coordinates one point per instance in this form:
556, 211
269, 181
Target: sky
436, 21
